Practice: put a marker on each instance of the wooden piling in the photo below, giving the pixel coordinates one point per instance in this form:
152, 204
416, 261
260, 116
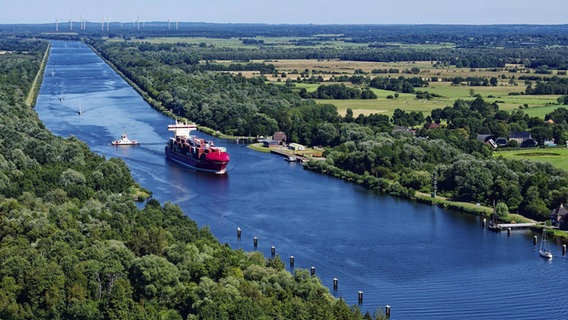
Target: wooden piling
255, 240
360, 297
335, 282
291, 261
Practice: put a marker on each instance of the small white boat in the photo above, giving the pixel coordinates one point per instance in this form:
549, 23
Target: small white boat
290, 159
544, 250
124, 141
545, 254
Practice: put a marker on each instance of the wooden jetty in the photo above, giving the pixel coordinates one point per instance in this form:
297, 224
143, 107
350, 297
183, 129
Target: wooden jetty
506, 226
299, 158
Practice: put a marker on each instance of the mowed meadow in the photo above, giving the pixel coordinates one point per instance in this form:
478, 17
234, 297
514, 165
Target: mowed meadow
506, 93
557, 156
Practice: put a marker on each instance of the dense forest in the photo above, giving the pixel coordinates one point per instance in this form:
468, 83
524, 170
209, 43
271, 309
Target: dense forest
364, 149
73, 244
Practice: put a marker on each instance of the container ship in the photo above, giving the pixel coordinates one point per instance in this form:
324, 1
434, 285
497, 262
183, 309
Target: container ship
193, 152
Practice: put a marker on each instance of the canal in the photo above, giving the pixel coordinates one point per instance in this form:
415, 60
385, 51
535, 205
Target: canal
423, 261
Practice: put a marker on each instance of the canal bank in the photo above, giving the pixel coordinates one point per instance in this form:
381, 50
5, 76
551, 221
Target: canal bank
424, 261
391, 187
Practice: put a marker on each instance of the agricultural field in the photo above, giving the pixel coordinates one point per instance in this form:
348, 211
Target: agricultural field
382, 105
557, 156
538, 105
280, 42
221, 43
506, 93
542, 111
334, 41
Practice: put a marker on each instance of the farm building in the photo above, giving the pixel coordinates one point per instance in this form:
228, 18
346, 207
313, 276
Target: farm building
520, 137
296, 147
279, 136
270, 143
559, 214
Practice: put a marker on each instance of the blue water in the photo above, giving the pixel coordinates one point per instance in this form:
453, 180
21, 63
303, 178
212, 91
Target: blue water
425, 262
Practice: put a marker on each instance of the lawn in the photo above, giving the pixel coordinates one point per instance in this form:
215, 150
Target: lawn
383, 105
542, 111
499, 94
538, 105
558, 156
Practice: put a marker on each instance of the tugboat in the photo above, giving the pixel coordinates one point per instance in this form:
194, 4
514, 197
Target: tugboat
124, 141
193, 152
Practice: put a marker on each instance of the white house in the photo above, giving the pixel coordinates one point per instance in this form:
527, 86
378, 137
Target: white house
296, 146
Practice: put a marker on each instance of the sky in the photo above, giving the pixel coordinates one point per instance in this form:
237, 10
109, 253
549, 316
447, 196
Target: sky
290, 11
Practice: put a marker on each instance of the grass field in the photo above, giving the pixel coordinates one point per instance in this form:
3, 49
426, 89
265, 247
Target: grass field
538, 105
326, 68
542, 110
555, 156
290, 42
280, 42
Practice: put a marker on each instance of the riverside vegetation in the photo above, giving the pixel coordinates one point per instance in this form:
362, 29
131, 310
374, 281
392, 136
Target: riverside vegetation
184, 79
73, 245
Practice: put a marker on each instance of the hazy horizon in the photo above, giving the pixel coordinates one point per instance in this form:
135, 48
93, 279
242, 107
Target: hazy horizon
317, 12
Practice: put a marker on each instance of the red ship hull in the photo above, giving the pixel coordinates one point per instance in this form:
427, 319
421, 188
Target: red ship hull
193, 152
207, 165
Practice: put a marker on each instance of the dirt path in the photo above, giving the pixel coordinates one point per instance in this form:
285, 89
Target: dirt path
30, 99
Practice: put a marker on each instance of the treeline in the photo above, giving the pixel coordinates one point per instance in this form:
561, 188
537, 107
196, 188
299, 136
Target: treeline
472, 117
73, 245
555, 85
262, 68
18, 67
226, 102
22, 47
363, 149
466, 58
407, 119
400, 163
338, 91
400, 84
463, 36
474, 81
362, 91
